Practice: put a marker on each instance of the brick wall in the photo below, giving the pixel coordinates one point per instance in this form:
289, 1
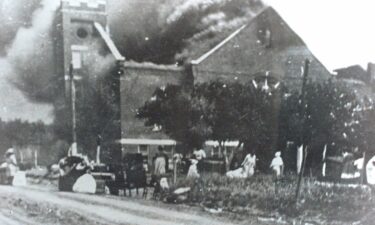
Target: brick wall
266, 44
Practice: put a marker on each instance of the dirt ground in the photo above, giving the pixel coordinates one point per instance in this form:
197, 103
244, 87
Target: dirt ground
33, 205
43, 204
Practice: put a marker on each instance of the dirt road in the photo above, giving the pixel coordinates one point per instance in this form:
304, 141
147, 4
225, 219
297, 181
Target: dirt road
36, 206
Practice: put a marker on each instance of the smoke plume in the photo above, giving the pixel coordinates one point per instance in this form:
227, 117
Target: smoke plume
160, 31
13, 16
166, 31
30, 54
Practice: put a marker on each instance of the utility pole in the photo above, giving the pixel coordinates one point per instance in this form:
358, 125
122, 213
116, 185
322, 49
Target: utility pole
302, 139
36, 158
73, 107
98, 144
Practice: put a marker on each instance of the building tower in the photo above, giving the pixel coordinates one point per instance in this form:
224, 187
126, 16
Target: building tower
76, 33
81, 44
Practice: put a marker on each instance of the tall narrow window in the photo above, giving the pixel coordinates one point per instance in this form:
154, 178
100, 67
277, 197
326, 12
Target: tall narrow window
77, 60
267, 38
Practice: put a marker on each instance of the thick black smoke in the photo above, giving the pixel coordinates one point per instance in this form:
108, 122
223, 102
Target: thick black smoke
160, 31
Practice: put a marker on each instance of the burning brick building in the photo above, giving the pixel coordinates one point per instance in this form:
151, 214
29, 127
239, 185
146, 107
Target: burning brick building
265, 48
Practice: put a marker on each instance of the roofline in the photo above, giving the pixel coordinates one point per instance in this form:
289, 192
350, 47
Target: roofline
226, 40
217, 47
136, 141
352, 66
152, 66
235, 33
108, 41
170, 142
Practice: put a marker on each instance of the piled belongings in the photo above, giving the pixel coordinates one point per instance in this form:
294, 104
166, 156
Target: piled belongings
349, 170
19, 179
85, 184
110, 179
53, 171
161, 187
246, 170
238, 173
178, 196
332, 168
343, 168
74, 175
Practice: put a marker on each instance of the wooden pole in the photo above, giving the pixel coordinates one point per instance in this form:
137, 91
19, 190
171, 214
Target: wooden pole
174, 171
300, 176
363, 171
98, 144
302, 139
21, 156
73, 107
36, 158
174, 165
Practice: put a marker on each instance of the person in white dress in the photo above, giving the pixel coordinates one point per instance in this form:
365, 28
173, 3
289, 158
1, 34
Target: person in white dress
248, 164
11, 163
200, 155
277, 165
193, 170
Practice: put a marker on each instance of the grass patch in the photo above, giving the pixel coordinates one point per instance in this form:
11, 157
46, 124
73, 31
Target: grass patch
262, 195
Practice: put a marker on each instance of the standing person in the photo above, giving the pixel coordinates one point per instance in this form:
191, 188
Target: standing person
166, 158
199, 155
193, 170
160, 163
160, 169
277, 165
11, 162
248, 164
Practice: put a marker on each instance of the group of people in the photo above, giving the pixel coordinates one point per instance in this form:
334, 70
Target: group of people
247, 168
161, 163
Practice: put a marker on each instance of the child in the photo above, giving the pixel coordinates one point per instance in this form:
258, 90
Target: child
277, 165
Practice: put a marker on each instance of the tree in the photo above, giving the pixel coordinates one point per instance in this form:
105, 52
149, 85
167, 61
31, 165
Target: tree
172, 108
242, 112
215, 111
329, 111
263, 121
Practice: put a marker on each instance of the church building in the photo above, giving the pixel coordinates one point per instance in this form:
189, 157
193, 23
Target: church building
264, 49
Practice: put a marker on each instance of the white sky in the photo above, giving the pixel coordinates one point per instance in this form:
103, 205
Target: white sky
340, 33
